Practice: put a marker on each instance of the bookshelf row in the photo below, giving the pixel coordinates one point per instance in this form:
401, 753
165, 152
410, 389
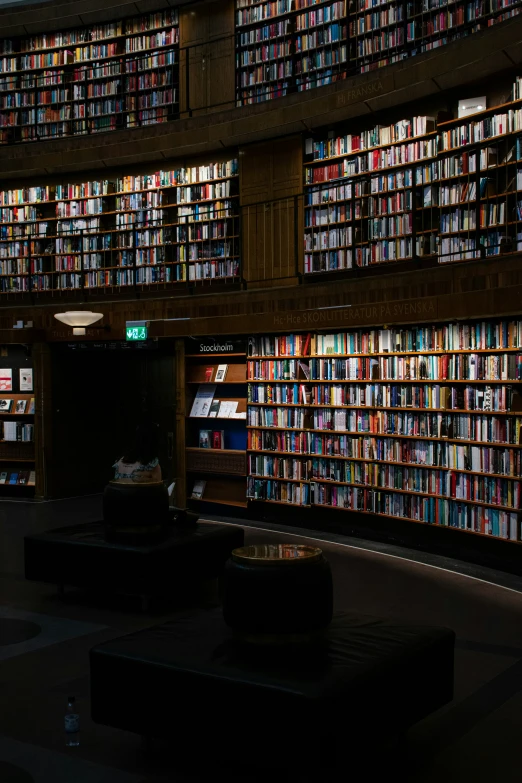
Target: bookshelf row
285, 46
170, 226
447, 454
376, 447
98, 78
445, 192
415, 189
18, 461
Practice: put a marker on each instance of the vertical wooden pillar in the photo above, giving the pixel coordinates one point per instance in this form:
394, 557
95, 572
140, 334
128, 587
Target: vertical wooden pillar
43, 420
207, 57
271, 197
179, 434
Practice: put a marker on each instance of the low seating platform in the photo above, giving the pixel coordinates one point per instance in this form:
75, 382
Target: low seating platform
80, 556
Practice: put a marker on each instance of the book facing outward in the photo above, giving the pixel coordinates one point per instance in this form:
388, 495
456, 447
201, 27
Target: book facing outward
32, 477
3, 478
218, 439
199, 489
203, 401
21, 405
208, 374
227, 409
214, 408
31, 406
13, 478
221, 373
5, 405
205, 437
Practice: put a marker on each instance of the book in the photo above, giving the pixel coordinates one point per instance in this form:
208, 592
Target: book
26, 379
32, 477
31, 405
305, 370
227, 409
205, 439
5, 405
208, 374
21, 405
6, 379
203, 401
13, 478
23, 477
3, 478
221, 373
218, 439
199, 489
214, 408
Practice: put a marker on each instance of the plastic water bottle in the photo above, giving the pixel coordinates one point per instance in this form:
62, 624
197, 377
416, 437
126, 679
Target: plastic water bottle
72, 724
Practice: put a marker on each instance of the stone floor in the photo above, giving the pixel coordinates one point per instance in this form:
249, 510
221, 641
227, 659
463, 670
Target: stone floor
476, 738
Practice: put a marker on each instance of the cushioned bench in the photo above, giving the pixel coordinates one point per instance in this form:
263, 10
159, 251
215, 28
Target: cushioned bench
79, 556
189, 679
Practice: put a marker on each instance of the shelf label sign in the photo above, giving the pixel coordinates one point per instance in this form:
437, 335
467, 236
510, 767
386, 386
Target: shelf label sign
134, 333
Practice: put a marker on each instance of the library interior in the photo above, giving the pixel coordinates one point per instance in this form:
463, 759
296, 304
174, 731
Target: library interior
260, 390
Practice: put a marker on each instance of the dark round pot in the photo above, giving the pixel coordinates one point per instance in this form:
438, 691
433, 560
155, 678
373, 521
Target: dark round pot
135, 513
277, 590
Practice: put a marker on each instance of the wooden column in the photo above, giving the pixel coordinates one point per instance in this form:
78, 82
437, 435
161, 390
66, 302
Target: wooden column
43, 418
179, 433
271, 188
207, 57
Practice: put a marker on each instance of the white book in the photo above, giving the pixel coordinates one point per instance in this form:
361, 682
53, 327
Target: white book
203, 401
221, 373
199, 488
227, 409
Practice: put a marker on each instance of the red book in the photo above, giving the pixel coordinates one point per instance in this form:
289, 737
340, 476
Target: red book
307, 344
217, 439
208, 374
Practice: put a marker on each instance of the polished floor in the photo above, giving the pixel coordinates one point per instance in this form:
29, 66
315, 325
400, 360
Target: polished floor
476, 738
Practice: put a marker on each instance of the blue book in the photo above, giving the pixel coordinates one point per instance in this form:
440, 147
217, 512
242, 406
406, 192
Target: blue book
13, 478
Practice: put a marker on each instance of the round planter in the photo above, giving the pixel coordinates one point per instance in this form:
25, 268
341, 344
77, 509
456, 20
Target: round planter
135, 513
277, 592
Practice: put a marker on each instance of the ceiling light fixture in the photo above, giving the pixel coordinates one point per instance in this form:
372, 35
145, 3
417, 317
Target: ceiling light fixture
78, 319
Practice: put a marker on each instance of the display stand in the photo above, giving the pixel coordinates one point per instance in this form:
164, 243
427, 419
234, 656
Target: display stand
215, 451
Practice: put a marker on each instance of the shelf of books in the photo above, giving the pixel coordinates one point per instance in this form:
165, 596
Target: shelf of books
147, 230
216, 427
416, 190
17, 424
285, 46
97, 78
422, 423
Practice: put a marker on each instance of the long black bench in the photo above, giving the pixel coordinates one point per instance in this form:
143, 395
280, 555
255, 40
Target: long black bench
80, 556
189, 679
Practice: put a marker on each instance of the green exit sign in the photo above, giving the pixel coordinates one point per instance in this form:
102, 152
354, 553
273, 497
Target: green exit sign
133, 333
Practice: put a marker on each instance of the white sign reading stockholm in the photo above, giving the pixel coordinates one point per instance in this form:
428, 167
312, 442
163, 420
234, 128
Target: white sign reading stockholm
215, 348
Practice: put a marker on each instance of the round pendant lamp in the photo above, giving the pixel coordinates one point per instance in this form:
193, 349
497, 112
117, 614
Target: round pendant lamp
78, 319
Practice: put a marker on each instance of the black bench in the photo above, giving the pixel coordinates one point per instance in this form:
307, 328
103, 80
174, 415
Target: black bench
79, 556
189, 677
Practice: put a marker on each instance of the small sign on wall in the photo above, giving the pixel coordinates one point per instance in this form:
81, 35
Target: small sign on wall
217, 345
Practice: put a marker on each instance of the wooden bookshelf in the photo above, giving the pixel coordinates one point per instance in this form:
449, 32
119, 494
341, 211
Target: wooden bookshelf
229, 462
91, 79
17, 429
469, 482
169, 228
291, 47
457, 197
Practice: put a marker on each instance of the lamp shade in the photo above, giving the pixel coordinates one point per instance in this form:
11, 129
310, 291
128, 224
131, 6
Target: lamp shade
78, 317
